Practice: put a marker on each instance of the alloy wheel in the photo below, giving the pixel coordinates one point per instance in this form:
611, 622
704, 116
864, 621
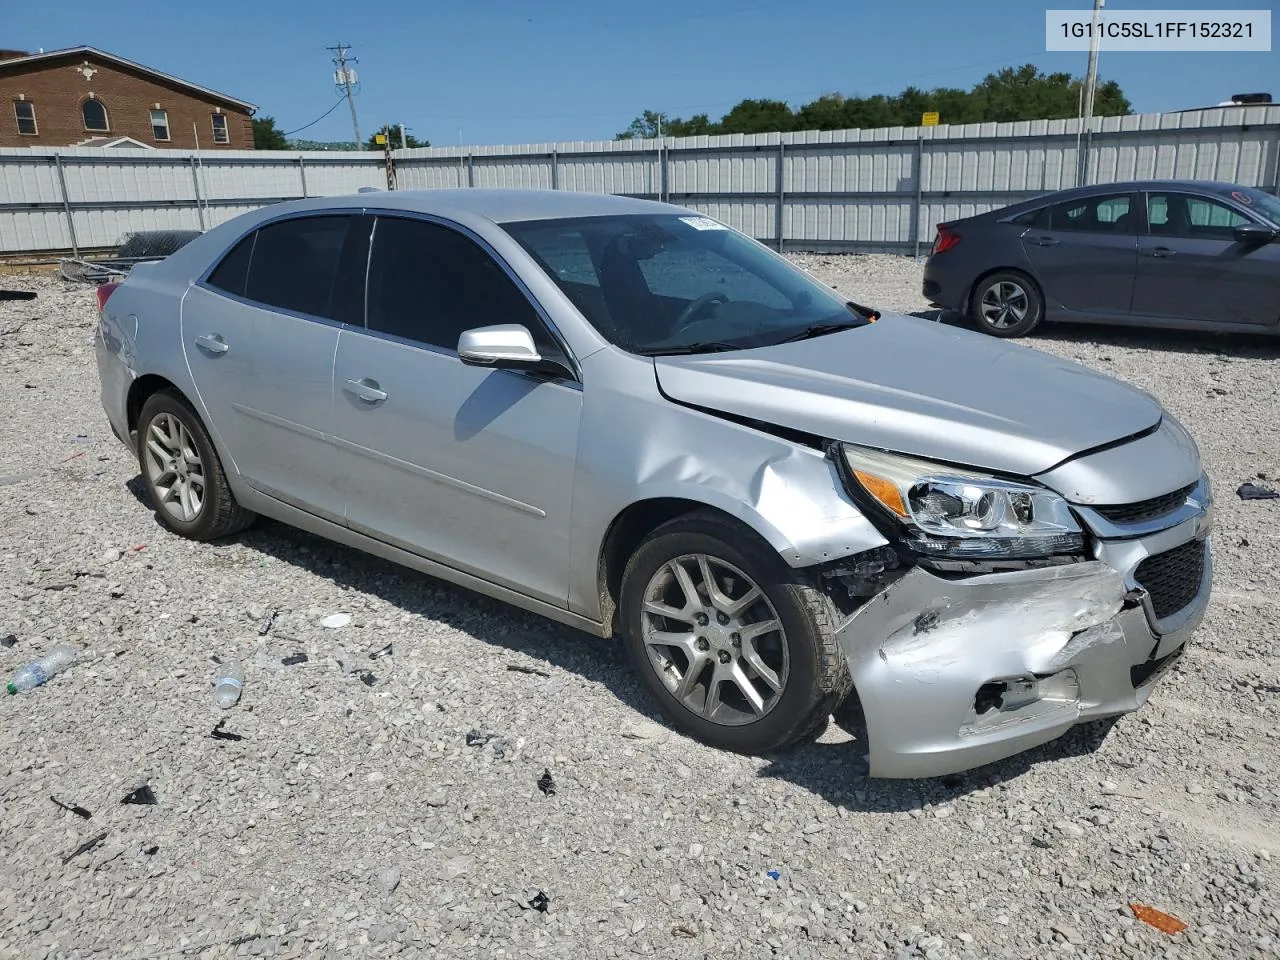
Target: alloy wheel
1004, 305
714, 640
174, 468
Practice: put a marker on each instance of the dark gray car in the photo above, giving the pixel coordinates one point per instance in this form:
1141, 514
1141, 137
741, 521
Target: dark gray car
1167, 253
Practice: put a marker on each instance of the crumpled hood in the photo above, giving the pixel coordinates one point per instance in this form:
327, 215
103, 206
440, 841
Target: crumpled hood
917, 387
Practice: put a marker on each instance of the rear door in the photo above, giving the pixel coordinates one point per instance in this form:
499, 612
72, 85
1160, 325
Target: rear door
1084, 253
260, 332
470, 466
1192, 268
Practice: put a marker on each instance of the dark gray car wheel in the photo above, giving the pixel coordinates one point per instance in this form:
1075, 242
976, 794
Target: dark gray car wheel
1006, 304
184, 477
737, 650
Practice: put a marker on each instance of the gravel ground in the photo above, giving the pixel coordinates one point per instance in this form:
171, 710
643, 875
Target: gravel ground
353, 815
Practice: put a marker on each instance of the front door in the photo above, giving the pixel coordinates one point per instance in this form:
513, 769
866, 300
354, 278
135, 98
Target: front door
1192, 268
1084, 253
471, 467
260, 334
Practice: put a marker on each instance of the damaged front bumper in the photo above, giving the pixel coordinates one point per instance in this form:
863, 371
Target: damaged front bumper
956, 673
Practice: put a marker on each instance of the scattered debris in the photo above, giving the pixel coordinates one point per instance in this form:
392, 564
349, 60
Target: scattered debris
152, 850
1164, 922
17, 295
1244, 542
1257, 491
228, 685
219, 734
336, 621
78, 453
925, 622
294, 659
143, 796
520, 668
85, 847
546, 784
382, 652
684, 931
773, 874
78, 811
477, 739
644, 730
540, 902
37, 672
138, 548
9, 641
267, 622
368, 678
247, 938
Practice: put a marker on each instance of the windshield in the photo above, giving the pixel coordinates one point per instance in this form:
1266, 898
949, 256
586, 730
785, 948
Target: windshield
665, 283
1261, 203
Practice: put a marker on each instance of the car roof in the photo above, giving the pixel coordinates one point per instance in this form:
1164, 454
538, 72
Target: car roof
1122, 186
498, 206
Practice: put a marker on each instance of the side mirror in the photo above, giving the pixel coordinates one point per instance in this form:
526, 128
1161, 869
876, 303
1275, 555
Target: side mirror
504, 345
1254, 233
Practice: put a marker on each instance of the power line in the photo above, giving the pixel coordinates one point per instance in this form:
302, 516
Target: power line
317, 119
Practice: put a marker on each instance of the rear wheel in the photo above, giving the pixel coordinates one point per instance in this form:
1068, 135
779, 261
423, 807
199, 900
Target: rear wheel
738, 651
184, 477
1007, 304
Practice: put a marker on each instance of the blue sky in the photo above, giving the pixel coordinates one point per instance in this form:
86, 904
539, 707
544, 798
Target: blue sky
505, 71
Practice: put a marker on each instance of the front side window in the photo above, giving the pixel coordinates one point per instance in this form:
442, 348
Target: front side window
220, 133
1093, 215
1188, 217
160, 124
25, 112
295, 263
666, 283
1259, 202
429, 284
94, 113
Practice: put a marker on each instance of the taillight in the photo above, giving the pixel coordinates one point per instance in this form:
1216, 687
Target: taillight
946, 239
104, 292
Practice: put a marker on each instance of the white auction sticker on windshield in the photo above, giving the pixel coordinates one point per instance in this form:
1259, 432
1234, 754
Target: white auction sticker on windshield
703, 223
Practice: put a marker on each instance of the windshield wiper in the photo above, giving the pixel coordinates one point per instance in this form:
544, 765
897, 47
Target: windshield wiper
822, 329
703, 346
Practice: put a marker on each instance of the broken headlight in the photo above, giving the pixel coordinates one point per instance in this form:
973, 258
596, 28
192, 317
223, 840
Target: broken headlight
958, 514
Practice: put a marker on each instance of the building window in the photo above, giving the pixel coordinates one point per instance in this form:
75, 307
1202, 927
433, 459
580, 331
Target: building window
95, 116
160, 124
220, 134
25, 111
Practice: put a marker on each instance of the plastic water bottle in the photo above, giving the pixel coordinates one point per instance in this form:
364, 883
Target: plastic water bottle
227, 687
39, 671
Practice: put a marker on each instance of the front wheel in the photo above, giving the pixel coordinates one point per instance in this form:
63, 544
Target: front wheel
738, 651
1007, 304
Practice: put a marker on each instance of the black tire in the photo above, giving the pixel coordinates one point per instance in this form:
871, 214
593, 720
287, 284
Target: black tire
218, 515
1013, 290
818, 679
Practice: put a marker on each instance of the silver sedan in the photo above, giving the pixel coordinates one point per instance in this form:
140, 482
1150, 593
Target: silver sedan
635, 420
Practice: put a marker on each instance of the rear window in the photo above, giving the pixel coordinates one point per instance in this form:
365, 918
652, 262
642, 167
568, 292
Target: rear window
295, 262
230, 275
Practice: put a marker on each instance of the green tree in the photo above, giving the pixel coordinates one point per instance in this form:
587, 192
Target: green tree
392, 132
266, 136
1015, 93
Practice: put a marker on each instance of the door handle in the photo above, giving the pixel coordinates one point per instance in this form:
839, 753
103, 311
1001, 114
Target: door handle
1161, 252
1045, 241
212, 342
366, 390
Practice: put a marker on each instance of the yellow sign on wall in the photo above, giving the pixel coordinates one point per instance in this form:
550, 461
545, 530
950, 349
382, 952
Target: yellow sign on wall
929, 119
381, 138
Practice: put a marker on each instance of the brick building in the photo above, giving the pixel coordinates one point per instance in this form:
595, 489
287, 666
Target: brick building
67, 97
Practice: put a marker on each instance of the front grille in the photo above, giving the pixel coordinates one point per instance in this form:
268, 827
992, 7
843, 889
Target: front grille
1146, 509
1172, 578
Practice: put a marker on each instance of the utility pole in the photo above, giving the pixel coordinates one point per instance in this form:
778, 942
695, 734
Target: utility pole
1090, 86
403, 143
345, 79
